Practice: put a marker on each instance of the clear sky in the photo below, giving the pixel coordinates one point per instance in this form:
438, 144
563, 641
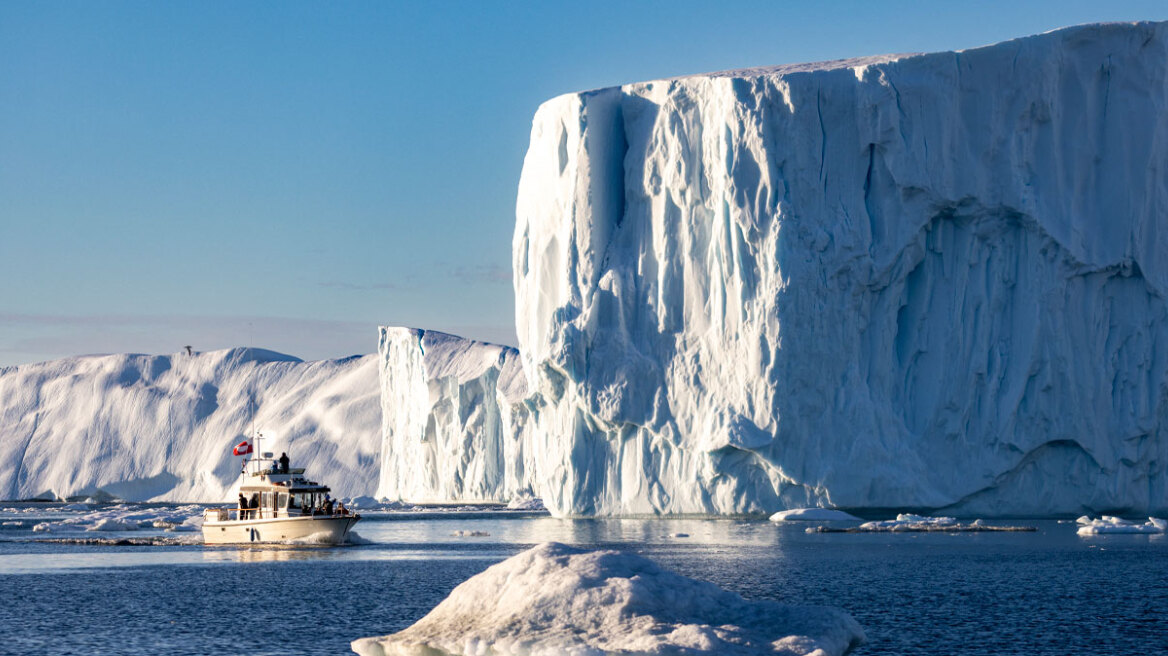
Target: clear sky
293, 174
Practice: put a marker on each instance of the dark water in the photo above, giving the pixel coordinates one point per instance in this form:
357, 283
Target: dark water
1049, 592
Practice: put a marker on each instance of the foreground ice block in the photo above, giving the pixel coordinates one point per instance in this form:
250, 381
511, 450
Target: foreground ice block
554, 600
161, 427
932, 281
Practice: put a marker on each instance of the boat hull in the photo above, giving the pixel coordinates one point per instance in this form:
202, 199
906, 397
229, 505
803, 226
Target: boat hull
314, 530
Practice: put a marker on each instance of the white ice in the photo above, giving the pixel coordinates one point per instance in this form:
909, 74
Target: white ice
812, 514
929, 281
554, 600
1109, 524
161, 428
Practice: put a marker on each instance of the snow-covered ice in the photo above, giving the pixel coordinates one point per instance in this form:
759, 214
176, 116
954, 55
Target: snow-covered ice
813, 514
142, 427
1109, 524
554, 600
923, 281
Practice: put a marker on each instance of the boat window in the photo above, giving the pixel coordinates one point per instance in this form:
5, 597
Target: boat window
283, 502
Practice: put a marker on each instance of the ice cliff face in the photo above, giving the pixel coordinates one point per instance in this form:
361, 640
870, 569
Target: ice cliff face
932, 281
454, 422
142, 427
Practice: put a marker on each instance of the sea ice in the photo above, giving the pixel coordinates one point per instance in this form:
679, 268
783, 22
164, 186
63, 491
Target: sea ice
554, 600
1109, 524
813, 514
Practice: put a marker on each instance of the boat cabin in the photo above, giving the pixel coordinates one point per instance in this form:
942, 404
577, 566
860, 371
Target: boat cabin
272, 492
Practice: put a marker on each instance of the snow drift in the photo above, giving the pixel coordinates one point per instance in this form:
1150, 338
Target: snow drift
931, 281
556, 600
153, 428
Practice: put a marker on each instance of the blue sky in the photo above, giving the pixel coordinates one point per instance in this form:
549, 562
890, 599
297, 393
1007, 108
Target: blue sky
291, 175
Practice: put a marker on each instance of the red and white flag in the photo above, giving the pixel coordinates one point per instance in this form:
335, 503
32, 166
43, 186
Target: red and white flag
242, 449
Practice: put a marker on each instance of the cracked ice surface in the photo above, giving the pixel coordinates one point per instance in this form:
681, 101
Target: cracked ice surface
930, 281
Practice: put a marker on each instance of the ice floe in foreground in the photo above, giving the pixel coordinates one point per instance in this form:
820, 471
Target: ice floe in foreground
813, 515
555, 599
1109, 524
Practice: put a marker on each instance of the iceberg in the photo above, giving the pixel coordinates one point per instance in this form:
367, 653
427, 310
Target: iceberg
161, 427
557, 600
928, 281
453, 419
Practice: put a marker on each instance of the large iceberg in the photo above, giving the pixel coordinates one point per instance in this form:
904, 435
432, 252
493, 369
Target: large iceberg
931, 281
161, 427
554, 600
453, 419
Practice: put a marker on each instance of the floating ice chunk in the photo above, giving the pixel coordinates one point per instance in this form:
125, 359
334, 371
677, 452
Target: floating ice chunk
905, 522
111, 524
813, 515
470, 534
1110, 524
919, 524
43, 527
554, 599
525, 502
16, 523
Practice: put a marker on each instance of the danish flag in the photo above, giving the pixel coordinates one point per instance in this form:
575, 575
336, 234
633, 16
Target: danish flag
242, 449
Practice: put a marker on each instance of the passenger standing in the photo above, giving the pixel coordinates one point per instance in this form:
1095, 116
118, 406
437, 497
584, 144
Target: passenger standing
284, 462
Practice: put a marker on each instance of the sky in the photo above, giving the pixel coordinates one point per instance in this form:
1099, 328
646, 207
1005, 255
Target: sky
291, 175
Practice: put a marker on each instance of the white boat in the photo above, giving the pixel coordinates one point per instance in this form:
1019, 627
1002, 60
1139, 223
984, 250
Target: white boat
283, 505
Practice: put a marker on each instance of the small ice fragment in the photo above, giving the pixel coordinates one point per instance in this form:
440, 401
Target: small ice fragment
813, 515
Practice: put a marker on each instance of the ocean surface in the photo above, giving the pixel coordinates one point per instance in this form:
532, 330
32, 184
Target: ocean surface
71, 591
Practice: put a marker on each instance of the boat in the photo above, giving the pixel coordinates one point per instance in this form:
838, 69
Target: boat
283, 505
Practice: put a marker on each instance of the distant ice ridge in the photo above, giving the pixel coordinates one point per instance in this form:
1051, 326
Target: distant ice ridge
554, 600
932, 281
161, 427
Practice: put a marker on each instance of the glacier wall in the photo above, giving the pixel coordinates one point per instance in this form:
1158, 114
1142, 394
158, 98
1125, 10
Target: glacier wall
161, 428
453, 419
928, 281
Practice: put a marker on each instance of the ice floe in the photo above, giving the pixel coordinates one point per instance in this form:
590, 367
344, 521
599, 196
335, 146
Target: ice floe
1110, 524
555, 599
908, 523
813, 515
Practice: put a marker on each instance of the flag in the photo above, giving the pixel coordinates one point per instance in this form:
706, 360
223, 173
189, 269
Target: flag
242, 449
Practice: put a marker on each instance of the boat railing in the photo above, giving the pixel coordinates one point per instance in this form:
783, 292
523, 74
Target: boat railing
237, 514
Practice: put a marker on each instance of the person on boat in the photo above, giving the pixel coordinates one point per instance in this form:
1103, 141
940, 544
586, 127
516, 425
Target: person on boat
341, 509
328, 505
284, 462
242, 506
